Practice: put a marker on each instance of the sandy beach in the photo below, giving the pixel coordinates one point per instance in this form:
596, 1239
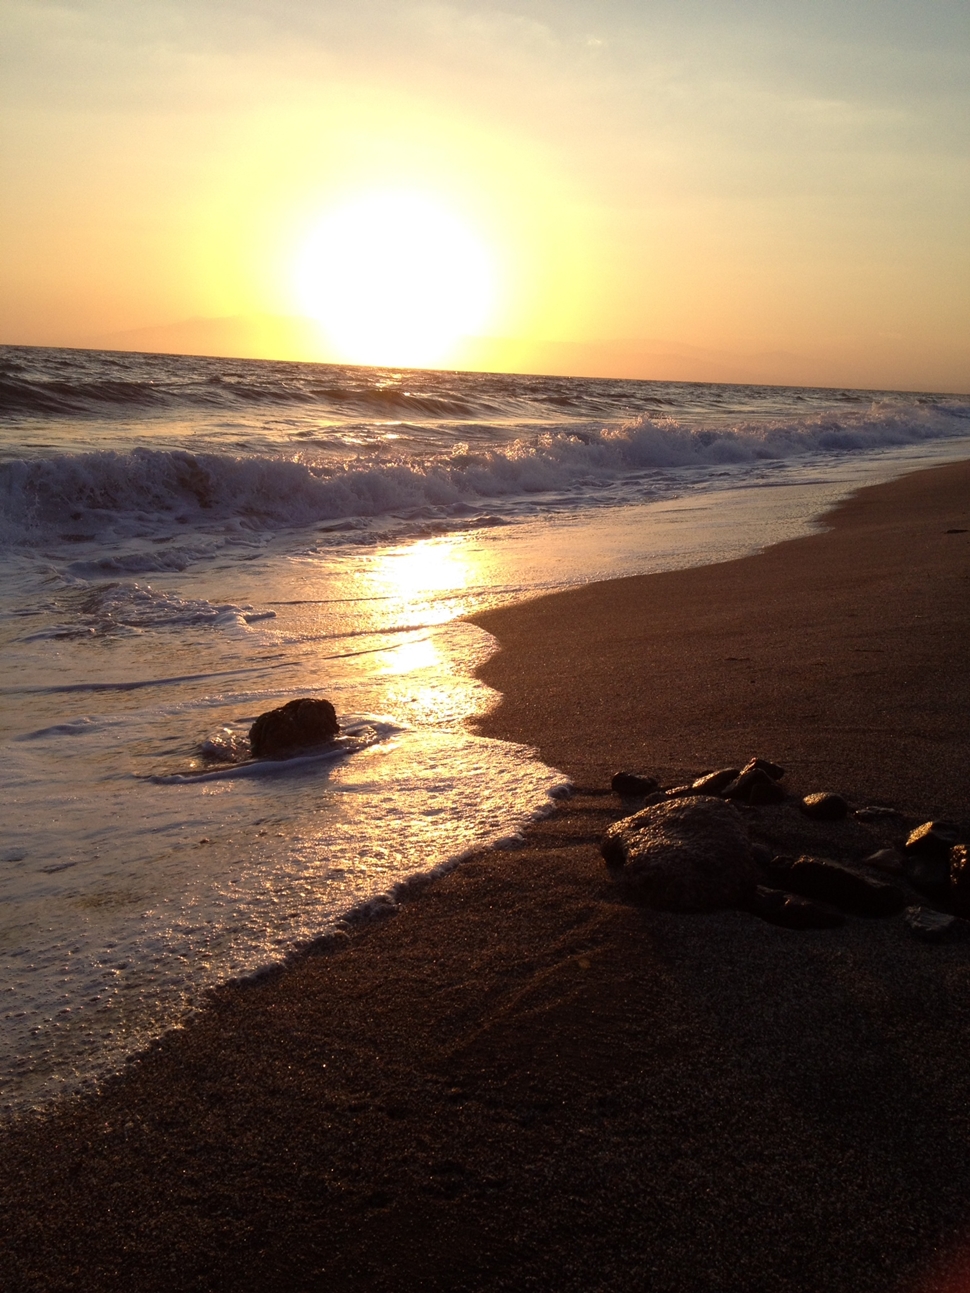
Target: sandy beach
521, 1082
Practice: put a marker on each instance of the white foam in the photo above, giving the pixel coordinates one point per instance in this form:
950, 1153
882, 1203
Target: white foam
226, 743
145, 491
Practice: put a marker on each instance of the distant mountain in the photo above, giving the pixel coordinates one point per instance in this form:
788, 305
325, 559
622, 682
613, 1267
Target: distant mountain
261, 336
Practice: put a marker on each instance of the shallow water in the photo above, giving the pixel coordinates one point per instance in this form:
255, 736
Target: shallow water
176, 559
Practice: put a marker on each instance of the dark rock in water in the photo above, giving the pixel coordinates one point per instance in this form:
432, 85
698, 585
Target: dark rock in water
930, 926
932, 839
774, 770
294, 726
754, 786
712, 783
687, 854
825, 807
843, 887
792, 911
630, 786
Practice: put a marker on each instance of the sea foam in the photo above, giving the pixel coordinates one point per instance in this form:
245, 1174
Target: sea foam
146, 491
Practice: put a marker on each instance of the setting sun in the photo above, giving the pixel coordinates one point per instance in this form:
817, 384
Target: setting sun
395, 278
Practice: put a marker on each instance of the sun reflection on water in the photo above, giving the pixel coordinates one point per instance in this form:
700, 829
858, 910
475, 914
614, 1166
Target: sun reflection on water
420, 653
430, 578
400, 611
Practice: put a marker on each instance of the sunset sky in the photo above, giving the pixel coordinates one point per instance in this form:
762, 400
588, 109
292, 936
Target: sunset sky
768, 190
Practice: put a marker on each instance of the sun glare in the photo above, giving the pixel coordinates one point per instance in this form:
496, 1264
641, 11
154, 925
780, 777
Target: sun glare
395, 278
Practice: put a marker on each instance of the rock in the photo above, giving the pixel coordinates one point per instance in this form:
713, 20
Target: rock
630, 786
792, 911
774, 770
687, 854
764, 790
754, 786
761, 855
932, 839
712, 783
888, 860
294, 726
681, 792
843, 887
825, 807
960, 878
927, 857
877, 813
931, 874
930, 926
777, 869
612, 847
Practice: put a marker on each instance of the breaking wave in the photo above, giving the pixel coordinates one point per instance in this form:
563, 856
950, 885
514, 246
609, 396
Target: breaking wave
88, 494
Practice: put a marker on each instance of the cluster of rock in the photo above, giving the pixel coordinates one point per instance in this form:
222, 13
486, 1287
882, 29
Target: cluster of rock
298, 725
692, 848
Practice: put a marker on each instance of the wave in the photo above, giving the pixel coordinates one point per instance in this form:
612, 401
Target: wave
118, 609
79, 398
140, 492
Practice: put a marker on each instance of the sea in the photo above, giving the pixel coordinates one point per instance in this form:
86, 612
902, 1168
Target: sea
187, 542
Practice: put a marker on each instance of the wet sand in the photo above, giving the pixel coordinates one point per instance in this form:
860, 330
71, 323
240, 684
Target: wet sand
519, 1082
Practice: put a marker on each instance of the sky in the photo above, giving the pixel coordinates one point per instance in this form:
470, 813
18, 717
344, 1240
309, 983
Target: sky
726, 190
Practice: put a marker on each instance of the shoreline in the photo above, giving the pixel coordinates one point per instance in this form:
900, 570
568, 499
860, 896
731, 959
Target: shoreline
521, 1082
670, 645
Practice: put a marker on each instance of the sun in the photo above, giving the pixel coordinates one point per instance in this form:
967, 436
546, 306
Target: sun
395, 278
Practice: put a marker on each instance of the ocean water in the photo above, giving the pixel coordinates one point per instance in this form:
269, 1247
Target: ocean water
187, 542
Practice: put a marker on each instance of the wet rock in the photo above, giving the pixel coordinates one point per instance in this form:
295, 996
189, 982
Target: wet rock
843, 887
712, 783
295, 726
687, 854
932, 839
792, 911
930, 926
631, 786
823, 806
754, 786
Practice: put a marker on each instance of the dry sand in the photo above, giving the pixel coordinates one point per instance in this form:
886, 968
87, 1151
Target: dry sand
521, 1083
